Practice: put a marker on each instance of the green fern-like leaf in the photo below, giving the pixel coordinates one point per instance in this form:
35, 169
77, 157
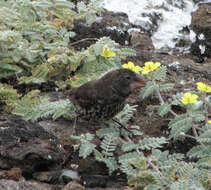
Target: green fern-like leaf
143, 180
166, 87
126, 114
179, 125
40, 75
160, 73
30, 107
164, 109
111, 163
198, 116
135, 130
108, 145
205, 137
86, 149
205, 163
127, 168
149, 143
200, 151
126, 52
185, 170
186, 184
129, 157
64, 4
108, 131
90, 10
148, 89
129, 146
8, 94
152, 187
176, 99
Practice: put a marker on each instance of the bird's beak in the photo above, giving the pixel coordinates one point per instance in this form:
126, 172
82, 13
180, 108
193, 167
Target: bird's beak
139, 83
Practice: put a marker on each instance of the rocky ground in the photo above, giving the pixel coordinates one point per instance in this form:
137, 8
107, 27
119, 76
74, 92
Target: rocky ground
39, 156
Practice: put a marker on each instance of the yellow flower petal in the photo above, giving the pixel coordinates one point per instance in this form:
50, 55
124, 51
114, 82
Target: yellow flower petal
189, 98
144, 72
156, 65
203, 87
209, 121
130, 65
150, 67
137, 69
107, 53
148, 63
125, 66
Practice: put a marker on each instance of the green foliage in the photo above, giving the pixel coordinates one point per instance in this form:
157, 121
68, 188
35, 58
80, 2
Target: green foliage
36, 48
108, 145
150, 143
32, 107
89, 11
109, 161
176, 99
35, 42
29, 29
203, 150
148, 89
8, 95
180, 125
126, 114
86, 149
160, 169
90, 64
129, 146
164, 109
160, 73
126, 52
166, 87
170, 173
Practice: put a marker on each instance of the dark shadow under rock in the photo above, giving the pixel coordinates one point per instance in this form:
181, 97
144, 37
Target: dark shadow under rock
28, 146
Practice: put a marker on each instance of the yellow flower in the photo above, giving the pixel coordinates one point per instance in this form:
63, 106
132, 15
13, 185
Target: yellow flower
203, 87
130, 65
189, 98
107, 53
150, 67
209, 121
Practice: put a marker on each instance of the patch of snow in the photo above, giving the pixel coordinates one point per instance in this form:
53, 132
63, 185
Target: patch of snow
173, 21
202, 48
175, 64
192, 36
201, 37
170, 18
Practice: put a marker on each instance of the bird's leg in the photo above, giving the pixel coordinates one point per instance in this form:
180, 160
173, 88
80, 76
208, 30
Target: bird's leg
121, 125
74, 126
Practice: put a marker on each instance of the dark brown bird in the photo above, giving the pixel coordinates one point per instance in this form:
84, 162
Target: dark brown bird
102, 99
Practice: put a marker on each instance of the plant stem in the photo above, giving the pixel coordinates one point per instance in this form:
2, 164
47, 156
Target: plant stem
162, 101
154, 167
149, 161
189, 136
205, 107
195, 132
85, 39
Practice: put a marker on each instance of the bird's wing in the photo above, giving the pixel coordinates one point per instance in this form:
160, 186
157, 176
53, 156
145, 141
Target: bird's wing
86, 95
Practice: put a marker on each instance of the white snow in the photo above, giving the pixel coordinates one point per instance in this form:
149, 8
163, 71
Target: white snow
173, 18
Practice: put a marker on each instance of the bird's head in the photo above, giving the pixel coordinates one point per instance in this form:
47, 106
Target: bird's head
125, 81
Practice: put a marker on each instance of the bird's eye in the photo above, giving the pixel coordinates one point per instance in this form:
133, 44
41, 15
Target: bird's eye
128, 77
